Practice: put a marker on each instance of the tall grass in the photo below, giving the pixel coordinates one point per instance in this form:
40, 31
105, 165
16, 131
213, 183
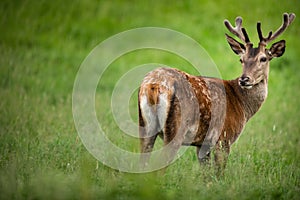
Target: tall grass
43, 43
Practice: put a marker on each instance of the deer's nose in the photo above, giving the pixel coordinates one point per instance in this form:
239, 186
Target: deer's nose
244, 80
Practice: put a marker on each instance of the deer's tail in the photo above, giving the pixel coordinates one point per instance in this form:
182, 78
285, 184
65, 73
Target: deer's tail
153, 95
154, 106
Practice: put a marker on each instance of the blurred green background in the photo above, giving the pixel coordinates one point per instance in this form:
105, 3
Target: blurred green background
43, 43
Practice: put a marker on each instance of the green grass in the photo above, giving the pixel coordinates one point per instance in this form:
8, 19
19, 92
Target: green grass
43, 43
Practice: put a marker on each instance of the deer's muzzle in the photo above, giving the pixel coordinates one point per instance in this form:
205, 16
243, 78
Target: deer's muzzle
245, 82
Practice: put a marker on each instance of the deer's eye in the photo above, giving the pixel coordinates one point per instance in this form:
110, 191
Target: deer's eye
263, 59
241, 60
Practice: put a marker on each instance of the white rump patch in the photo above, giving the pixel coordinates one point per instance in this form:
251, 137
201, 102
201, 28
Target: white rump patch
149, 116
155, 116
162, 110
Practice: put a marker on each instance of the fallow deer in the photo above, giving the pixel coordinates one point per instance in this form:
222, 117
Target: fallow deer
207, 112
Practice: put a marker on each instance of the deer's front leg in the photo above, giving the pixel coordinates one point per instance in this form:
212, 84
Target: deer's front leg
221, 154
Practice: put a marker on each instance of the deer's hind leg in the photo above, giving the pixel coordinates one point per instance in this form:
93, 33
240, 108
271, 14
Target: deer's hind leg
174, 131
148, 134
147, 145
203, 160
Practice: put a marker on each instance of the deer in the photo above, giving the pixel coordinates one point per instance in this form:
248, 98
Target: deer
206, 112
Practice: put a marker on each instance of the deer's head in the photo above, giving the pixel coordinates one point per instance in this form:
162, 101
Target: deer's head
255, 61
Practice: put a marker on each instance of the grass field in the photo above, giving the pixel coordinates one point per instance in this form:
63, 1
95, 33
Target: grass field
42, 45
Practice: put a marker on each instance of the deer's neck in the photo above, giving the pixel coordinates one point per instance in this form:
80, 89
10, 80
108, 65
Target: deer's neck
251, 99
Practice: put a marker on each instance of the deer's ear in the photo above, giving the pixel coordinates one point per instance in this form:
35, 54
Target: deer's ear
277, 49
237, 47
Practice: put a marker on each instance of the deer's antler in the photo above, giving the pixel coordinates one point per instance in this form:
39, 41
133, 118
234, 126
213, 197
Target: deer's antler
287, 20
238, 30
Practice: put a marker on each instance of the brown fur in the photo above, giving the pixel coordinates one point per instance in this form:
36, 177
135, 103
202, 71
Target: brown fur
152, 94
205, 112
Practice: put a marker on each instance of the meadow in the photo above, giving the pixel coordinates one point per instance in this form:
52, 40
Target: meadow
42, 45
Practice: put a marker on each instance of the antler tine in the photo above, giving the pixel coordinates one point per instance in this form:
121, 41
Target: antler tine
237, 30
247, 40
287, 20
258, 27
260, 35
